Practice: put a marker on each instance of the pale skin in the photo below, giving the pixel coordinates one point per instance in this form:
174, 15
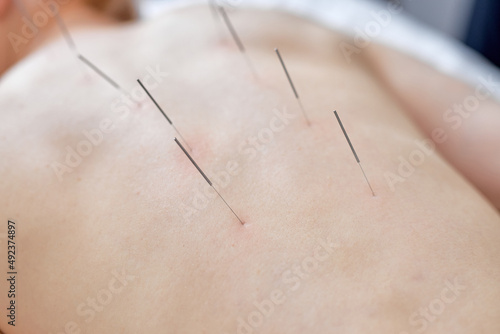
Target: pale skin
125, 243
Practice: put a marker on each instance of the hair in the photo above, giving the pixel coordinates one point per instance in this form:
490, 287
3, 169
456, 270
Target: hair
123, 10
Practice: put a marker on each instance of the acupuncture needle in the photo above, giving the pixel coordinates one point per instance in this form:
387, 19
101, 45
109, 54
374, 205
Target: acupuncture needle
72, 46
293, 86
216, 17
65, 32
207, 179
237, 40
101, 74
353, 151
213, 9
164, 114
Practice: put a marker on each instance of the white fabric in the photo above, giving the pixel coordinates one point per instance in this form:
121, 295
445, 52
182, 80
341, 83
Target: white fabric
402, 33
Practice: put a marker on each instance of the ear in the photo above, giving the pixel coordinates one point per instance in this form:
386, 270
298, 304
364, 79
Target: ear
4, 7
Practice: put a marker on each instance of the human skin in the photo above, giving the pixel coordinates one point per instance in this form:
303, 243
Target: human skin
332, 257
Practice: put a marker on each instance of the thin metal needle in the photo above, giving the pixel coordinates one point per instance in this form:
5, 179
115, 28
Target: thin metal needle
103, 75
194, 162
65, 32
164, 114
213, 9
237, 40
293, 86
364, 174
229, 25
98, 71
216, 17
353, 151
207, 179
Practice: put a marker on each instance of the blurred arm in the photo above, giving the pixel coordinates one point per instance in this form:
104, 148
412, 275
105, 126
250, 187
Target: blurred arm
463, 121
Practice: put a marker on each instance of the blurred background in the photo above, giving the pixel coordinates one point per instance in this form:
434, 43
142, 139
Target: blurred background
476, 23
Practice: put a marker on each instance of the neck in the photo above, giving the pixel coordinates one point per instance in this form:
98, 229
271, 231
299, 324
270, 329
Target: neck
38, 28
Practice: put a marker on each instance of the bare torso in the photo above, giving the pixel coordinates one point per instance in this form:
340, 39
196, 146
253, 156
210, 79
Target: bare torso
130, 240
